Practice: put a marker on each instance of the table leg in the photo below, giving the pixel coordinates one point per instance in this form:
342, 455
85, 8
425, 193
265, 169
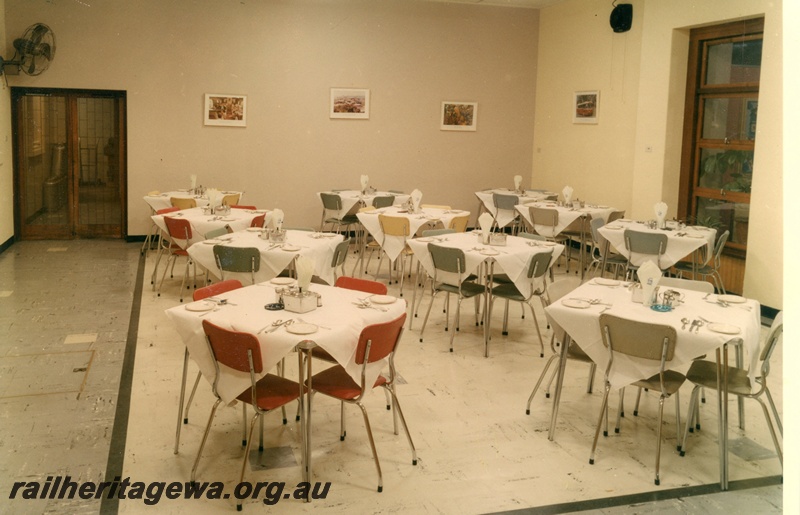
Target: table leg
562, 364
180, 402
304, 369
722, 399
487, 315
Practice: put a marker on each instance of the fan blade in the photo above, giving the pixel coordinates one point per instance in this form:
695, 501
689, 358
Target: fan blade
38, 33
45, 51
23, 46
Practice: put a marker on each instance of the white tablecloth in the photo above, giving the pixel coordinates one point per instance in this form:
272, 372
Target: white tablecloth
340, 324
162, 200
513, 258
487, 199
353, 199
566, 215
584, 328
393, 245
315, 246
238, 219
678, 247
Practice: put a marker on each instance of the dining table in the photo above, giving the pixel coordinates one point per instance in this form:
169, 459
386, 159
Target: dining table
353, 200
275, 256
703, 323
203, 222
567, 214
335, 326
512, 257
159, 200
680, 242
486, 201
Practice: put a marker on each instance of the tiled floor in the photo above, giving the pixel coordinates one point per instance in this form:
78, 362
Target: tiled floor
478, 451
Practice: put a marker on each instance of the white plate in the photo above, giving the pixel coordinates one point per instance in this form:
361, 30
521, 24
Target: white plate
282, 280
382, 299
489, 252
613, 227
732, 299
606, 282
697, 236
201, 305
229, 219
290, 248
548, 243
212, 242
301, 328
724, 328
576, 303
424, 240
253, 229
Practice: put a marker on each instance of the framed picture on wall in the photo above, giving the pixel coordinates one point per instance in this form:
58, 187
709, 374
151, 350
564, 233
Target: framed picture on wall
350, 103
225, 110
459, 116
584, 106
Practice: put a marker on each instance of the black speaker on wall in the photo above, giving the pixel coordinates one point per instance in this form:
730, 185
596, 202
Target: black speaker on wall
621, 17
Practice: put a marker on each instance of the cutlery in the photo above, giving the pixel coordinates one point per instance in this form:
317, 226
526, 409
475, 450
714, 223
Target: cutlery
685, 321
698, 325
207, 312
301, 321
278, 324
593, 302
694, 324
706, 296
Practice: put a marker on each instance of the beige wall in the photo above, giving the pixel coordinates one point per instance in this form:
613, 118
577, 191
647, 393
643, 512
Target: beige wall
285, 55
631, 159
6, 159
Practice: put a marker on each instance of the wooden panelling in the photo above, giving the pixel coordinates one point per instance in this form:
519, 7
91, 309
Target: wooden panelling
732, 271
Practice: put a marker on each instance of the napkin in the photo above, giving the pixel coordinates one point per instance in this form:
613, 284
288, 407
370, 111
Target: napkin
649, 275
214, 197
364, 182
661, 213
277, 219
567, 192
517, 182
193, 179
416, 198
305, 269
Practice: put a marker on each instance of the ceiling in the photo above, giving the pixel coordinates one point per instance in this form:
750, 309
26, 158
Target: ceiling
528, 4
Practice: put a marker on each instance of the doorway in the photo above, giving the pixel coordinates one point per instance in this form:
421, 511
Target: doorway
69, 162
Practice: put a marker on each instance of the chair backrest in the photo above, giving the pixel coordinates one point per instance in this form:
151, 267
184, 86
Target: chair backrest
183, 203
305, 229
340, 253
720, 246
638, 339
167, 210
394, 225
539, 264
331, 201
447, 259
215, 289
459, 223
598, 239
258, 221
555, 291
544, 216
553, 197
384, 201
233, 348
354, 283
239, 206
616, 215
771, 341
215, 233
687, 284
231, 199
379, 340
435, 206
437, 232
503, 201
532, 236
654, 244
178, 228
237, 259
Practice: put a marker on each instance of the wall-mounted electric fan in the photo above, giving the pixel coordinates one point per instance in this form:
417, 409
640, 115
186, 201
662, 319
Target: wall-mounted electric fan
33, 51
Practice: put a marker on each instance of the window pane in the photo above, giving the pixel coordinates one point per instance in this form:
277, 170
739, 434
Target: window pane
730, 170
733, 118
734, 63
723, 215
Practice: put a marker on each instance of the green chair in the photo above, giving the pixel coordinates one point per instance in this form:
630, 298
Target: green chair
237, 259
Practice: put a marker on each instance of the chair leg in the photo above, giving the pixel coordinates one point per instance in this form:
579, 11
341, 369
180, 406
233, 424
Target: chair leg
244, 425
405, 426
620, 410
603, 412
689, 417
539, 382
658, 436
257, 416
636, 407
372, 445
678, 419
778, 450
205, 437
774, 411
191, 398
590, 385
538, 330
180, 400
343, 429
427, 313
456, 322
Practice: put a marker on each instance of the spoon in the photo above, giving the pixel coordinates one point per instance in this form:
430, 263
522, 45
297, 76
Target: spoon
685, 321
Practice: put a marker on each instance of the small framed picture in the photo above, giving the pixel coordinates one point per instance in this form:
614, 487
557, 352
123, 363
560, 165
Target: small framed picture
225, 110
459, 116
584, 106
350, 103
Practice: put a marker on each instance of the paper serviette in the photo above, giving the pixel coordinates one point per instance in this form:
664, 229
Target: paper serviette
277, 219
649, 275
364, 182
567, 193
661, 213
305, 269
416, 198
517, 182
193, 180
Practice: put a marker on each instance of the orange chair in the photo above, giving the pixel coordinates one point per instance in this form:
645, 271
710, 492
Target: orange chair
154, 233
367, 286
199, 294
239, 206
178, 229
242, 352
258, 221
376, 343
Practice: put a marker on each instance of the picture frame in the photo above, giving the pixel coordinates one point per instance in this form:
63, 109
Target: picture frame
225, 110
350, 103
459, 116
585, 106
